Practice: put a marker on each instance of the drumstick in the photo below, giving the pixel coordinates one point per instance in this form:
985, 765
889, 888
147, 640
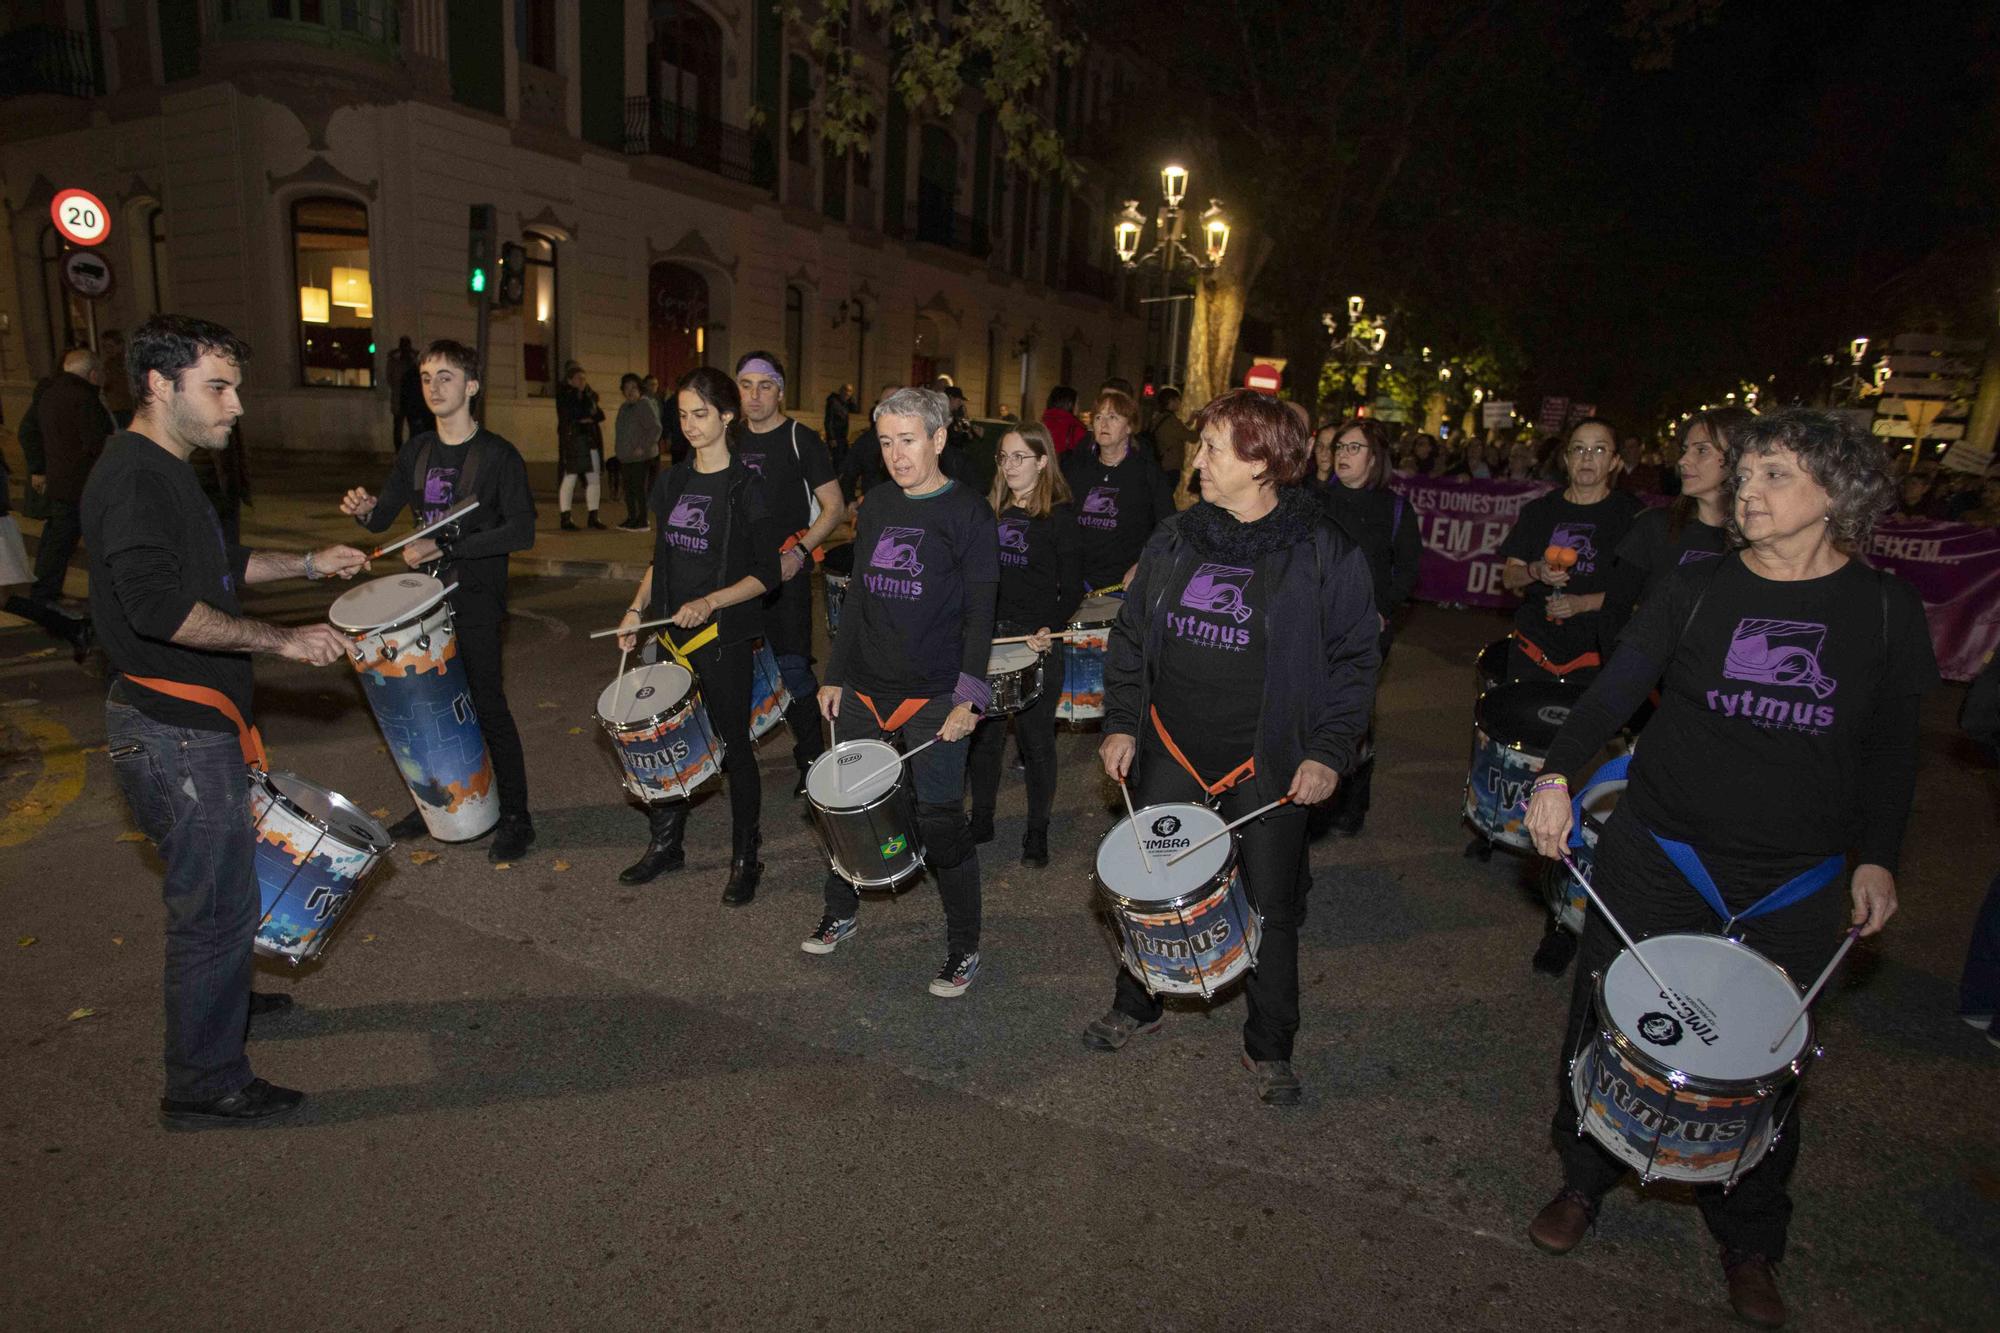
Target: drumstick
1132, 818
897, 762
1261, 810
632, 629
1063, 634
1630, 943
425, 531
1853, 934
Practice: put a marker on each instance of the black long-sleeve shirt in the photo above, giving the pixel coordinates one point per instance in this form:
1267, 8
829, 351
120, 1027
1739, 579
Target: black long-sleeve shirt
1385, 528
1041, 568
503, 523
1117, 508
1787, 727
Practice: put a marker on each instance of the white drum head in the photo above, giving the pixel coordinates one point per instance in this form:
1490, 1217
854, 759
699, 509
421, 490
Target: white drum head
1730, 1004
834, 780
1601, 803
332, 811
1167, 830
1010, 657
1097, 611
644, 692
390, 601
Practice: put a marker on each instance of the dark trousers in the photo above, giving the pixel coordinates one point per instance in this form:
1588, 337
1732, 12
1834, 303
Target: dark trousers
1276, 876
788, 626
636, 488
1979, 986
724, 672
1035, 728
187, 792
939, 777
54, 620
479, 652
60, 534
1650, 897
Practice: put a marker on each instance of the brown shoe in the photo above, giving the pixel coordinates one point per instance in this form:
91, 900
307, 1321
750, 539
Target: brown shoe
1560, 1227
1753, 1289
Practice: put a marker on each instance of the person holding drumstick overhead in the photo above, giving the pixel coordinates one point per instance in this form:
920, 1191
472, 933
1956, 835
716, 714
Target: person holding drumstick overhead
715, 556
1041, 585
909, 663
1241, 671
1121, 494
1784, 751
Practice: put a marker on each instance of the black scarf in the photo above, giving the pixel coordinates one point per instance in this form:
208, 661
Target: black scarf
1218, 534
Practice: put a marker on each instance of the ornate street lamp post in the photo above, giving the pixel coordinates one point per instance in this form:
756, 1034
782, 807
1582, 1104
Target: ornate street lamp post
1168, 249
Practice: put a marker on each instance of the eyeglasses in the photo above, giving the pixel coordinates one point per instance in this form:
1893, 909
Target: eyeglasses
1008, 460
1587, 451
1351, 447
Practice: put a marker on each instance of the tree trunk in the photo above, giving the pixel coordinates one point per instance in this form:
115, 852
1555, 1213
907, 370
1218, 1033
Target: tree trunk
1218, 318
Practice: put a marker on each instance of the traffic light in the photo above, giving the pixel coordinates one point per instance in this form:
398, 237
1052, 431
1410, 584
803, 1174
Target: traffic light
479, 249
513, 275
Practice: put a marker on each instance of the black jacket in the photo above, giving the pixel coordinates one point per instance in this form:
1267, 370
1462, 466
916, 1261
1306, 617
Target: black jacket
1321, 658
75, 423
1383, 525
750, 541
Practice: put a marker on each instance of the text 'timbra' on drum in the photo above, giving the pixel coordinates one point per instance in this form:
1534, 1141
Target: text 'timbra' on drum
1187, 928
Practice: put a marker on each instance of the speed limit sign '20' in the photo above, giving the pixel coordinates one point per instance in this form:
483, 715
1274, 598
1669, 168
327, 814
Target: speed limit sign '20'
80, 217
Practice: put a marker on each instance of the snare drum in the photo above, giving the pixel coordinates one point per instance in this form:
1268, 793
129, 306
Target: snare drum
1512, 730
834, 570
869, 828
1688, 1088
1188, 928
1566, 898
1490, 668
768, 696
654, 715
314, 847
1083, 669
1014, 674
406, 652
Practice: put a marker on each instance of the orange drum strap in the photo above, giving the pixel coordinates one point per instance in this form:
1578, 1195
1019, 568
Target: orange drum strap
1246, 769
897, 720
1533, 652
247, 736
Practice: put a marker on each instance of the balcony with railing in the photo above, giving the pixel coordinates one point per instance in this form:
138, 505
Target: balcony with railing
371, 28
664, 129
41, 58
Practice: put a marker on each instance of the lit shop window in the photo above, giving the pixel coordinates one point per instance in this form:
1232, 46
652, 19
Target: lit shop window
336, 296
538, 325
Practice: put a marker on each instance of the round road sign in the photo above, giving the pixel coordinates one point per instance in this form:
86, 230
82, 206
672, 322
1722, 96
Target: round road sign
80, 217
87, 273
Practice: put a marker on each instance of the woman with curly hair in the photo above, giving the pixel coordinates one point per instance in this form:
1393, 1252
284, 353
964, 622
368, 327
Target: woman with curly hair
1782, 760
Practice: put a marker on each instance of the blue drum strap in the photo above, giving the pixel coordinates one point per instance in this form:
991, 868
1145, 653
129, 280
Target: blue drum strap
1611, 770
1793, 890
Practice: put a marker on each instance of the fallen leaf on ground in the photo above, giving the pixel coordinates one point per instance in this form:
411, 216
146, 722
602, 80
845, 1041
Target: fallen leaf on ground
75, 1014
39, 652
503, 865
576, 731
367, 939
562, 865
546, 703
130, 837
117, 939
422, 858
381, 813
26, 940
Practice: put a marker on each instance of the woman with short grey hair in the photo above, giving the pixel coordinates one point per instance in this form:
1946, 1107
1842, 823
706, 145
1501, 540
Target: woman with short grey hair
1782, 760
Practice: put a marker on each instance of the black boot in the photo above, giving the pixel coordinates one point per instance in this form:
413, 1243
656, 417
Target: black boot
593, 521
1035, 848
744, 868
568, 523
981, 826
663, 849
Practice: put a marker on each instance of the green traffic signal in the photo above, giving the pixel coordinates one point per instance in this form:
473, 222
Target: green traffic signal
479, 280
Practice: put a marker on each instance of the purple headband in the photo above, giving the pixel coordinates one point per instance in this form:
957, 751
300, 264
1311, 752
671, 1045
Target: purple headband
757, 365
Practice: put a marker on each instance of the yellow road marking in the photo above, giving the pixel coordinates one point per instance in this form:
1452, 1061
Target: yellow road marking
60, 783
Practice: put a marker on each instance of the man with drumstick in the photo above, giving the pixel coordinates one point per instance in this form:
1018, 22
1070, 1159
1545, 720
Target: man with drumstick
909, 663
434, 473
163, 595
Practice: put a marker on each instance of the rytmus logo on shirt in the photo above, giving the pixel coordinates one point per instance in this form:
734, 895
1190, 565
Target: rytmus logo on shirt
1100, 508
1014, 541
440, 483
1783, 654
896, 552
1216, 594
687, 526
1581, 538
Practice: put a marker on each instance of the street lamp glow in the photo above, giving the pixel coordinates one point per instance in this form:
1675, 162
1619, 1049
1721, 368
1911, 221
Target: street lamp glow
1379, 336
1173, 184
1444, 372
1217, 229
1858, 349
1354, 307
1125, 232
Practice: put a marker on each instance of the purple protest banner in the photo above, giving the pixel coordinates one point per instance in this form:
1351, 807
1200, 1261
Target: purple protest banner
1955, 568
1463, 522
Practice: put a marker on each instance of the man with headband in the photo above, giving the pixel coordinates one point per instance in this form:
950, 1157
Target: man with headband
802, 493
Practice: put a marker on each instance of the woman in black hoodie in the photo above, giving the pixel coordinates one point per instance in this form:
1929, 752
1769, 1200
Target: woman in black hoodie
1242, 670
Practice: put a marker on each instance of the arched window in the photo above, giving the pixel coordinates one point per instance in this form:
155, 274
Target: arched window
539, 316
795, 345
684, 62
335, 293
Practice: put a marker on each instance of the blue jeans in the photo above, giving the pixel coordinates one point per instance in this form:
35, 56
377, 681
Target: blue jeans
1979, 987
188, 794
938, 778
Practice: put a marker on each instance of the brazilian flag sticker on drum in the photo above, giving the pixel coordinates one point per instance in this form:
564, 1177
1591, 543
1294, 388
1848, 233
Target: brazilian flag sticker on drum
894, 846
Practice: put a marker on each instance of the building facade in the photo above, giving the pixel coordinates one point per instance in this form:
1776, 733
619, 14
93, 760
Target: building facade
303, 171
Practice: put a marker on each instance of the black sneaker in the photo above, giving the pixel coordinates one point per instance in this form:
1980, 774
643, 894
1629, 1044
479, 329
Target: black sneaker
980, 828
255, 1103
1035, 848
512, 837
1277, 1085
409, 826
1111, 1032
957, 973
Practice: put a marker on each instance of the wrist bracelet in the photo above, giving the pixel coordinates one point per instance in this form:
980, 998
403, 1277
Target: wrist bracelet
311, 573
1550, 783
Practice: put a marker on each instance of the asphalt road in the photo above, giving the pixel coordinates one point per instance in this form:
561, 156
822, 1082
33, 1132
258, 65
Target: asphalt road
541, 1099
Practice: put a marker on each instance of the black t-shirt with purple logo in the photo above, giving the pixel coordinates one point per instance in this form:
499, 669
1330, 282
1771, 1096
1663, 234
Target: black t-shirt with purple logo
785, 475
1594, 532
1041, 567
1117, 509
688, 542
1213, 647
919, 609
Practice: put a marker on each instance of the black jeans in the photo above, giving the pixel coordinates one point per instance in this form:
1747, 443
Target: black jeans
939, 778
1650, 898
1035, 726
60, 534
188, 794
1277, 877
479, 651
724, 672
635, 490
